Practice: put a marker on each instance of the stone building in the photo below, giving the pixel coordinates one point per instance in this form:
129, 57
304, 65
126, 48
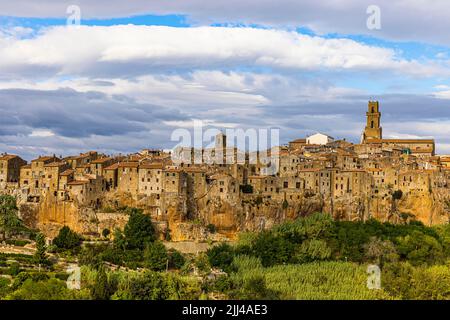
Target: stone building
10, 169
373, 135
349, 181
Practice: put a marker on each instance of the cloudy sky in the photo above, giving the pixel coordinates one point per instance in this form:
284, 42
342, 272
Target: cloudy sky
134, 71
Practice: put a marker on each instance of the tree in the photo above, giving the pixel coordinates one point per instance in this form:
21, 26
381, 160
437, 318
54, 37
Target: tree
52, 289
253, 287
40, 255
397, 195
155, 256
272, 249
119, 240
221, 256
101, 290
313, 250
9, 220
139, 230
176, 259
67, 239
419, 248
380, 252
148, 286
211, 228
246, 188
106, 233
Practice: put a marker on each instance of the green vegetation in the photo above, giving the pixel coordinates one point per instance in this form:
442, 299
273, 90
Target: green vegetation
313, 257
155, 256
10, 223
317, 280
139, 231
67, 239
246, 188
40, 255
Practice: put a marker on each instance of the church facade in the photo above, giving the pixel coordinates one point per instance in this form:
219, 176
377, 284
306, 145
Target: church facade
373, 136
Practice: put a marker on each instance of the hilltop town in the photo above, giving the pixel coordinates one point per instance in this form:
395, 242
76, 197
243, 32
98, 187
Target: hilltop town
387, 179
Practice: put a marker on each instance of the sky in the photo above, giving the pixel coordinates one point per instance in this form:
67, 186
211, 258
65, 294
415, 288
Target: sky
132, 72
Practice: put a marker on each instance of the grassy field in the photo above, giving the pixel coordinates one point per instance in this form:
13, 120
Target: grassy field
318, 281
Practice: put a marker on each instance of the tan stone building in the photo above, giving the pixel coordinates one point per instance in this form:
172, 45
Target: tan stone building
10, 168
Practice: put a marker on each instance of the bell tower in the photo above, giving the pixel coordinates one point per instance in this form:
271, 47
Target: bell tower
373, 129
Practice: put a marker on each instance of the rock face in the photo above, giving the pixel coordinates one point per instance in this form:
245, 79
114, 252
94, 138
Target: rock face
185, 220
50, 216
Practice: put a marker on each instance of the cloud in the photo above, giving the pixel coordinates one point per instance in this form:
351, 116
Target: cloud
67, 122
413, 20
30, 117
130, 51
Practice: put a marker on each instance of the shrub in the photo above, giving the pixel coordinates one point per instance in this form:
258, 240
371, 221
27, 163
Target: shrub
139, 230
155, 256
272, 249
221, 256
151, 285
211, 228
397, 195
176, 259
106, 233
23, 276
246, 188
40, 255
14, 269
52, 289
148, 286
101, 290
252, 287
19, 243
419, 248
92, 254
380, 252
313, 250
202, 264
4, 287
67, 239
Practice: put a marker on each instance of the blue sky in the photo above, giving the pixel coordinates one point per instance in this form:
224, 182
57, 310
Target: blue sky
131, 74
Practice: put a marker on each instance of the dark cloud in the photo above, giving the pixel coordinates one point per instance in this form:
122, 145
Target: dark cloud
69, 113
92, 120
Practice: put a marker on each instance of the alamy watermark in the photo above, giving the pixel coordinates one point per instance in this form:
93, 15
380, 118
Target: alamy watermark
374, 20
212, 146
73, 282
374, 278
74, 15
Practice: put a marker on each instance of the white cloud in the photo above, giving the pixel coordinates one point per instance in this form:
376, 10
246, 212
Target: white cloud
130, 50
421, 20
443, 91
41, 133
